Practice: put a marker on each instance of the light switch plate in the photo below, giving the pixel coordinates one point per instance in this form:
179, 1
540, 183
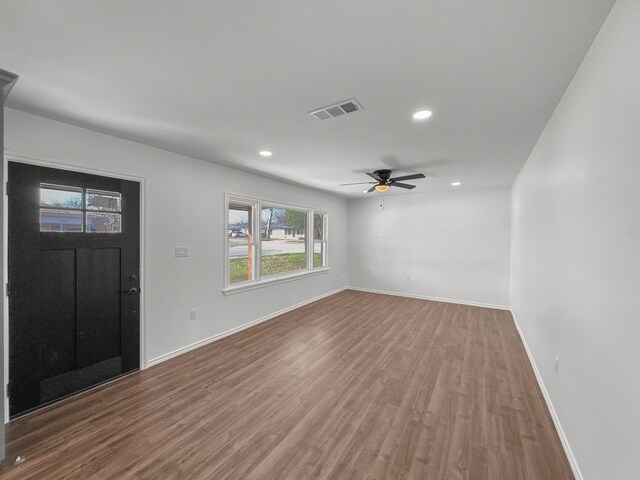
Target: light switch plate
182, 251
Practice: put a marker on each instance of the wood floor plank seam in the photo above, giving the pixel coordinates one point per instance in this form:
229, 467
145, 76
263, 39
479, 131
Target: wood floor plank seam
357, 386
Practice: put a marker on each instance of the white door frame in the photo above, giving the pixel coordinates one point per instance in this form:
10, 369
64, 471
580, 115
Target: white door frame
10, 156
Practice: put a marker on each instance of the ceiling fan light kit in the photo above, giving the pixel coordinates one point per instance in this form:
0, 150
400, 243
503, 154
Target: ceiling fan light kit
384, 181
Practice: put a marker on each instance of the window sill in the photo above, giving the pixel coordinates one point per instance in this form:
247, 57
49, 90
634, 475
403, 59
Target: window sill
274, 281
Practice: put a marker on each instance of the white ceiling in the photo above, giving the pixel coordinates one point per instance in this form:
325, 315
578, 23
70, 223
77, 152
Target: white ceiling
221, 80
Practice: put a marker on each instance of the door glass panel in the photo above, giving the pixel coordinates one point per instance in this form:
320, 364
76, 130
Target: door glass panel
60, 196
52, 220
101, 200
98, 222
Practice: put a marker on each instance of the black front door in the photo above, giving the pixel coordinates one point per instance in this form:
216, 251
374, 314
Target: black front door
73, 282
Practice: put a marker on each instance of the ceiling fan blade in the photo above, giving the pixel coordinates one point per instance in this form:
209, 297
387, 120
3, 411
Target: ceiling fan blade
408, 177
372, 189
402, 185
358, 183
374, 176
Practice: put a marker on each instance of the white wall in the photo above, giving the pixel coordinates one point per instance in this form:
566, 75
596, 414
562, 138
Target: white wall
185, 206
576, 253
451, 245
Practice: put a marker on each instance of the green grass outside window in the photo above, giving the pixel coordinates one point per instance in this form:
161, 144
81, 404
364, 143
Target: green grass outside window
272, 265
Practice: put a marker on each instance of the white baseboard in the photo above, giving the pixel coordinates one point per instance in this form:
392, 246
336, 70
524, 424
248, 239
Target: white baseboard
220, 336
436, 299
556, 421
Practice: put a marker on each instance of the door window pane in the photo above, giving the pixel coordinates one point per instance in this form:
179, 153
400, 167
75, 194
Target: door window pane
283, 233
60, 196
70, 210
98, 222
52, 220
101, 200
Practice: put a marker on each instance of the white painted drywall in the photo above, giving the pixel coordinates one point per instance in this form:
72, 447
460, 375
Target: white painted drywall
185, 206
452, 245
576, 253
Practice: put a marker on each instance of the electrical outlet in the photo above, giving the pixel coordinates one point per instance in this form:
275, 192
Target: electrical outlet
556, 364
193, 314
182, 251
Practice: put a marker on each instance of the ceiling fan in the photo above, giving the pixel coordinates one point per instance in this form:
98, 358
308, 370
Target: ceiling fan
384, 181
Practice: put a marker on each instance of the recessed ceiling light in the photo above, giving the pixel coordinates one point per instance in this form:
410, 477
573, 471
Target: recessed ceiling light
422, 115
266, 153
455, 184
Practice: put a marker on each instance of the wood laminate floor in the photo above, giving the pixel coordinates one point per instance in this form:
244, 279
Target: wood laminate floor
354, 386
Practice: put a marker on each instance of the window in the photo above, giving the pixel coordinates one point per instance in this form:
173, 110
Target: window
60, 208
241, 248
267, 242
72, 209
319, 240
60, 220
283, 242
98, 203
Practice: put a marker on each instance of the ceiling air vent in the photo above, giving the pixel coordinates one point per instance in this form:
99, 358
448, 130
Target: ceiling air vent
337, 109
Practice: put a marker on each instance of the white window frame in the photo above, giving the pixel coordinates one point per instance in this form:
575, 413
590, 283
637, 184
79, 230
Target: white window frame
325, 240
257, 204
